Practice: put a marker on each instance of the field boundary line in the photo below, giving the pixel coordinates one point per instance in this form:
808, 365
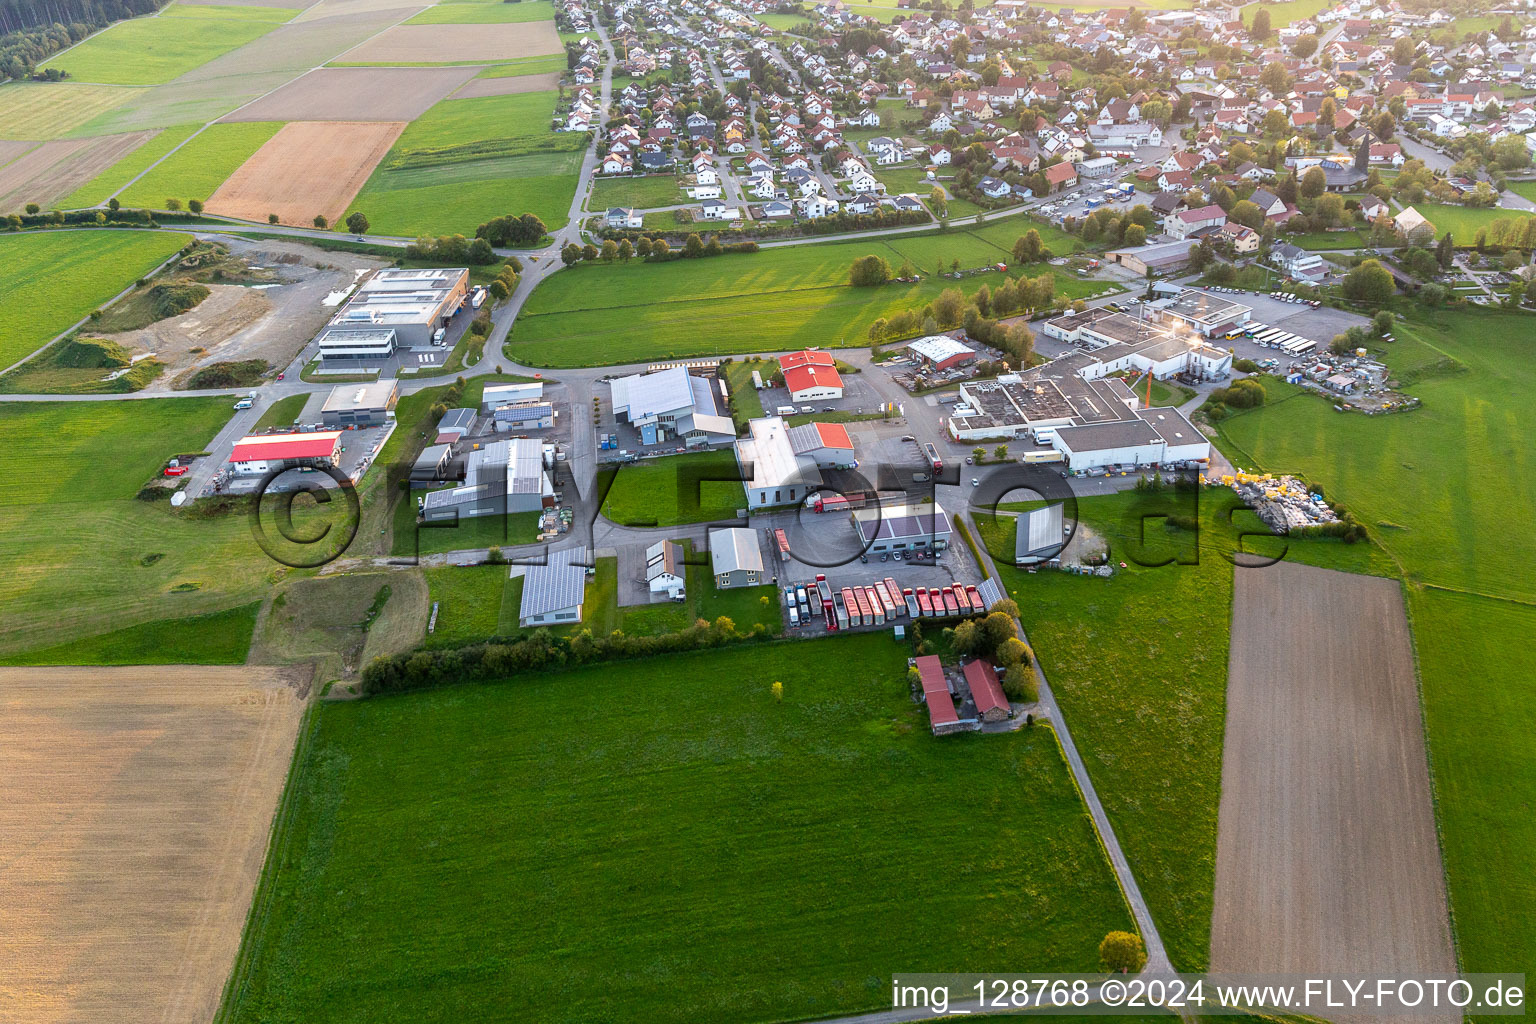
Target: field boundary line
265, 895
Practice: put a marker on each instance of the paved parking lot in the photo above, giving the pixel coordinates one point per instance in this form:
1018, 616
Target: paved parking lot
358, 450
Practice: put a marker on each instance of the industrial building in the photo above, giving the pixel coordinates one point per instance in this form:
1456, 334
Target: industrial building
1120, 341
671, 403
553, 593
940, 352
1041, 534
395, 308
736, 558
811, 376
503, 478
524, 416
359, 405
902, 528
496, 395
1210, 315
455, 425
1163, 258
781, 465
263, 453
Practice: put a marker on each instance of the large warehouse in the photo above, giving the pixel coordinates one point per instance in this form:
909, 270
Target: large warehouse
412, 304
671, 403
502, 478
263, 453
902, 528
360, 405
781, 465
1119, 341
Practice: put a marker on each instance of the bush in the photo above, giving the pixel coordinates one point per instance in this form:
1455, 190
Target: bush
1245, 366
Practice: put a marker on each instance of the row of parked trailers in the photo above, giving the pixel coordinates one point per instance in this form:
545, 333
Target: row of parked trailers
1285, 341
885, 601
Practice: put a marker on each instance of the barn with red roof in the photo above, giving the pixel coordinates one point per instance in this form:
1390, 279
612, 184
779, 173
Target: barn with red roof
986, 691
261, 453
941, 706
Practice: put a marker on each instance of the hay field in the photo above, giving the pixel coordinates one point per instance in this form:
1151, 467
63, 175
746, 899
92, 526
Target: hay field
1327, 857
55, 169
157, 48
414, 43
307, 168
135, 806
485, 12
197, 169
35, 110
358, 94
508, 86
399, 10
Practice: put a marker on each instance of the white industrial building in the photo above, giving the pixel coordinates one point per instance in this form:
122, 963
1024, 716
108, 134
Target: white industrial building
671, 403
1041, 534
1155, 437
883, 528
553, 593
361, 344
781, 465
1210, 315
502, 478
1119, 341
359, 405
412, 304
496, 395
263, 453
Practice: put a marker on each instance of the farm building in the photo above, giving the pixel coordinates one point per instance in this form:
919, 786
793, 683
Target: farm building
502, 478
264, 453
553, 593
941, 703
411, 303
664, 570
496, 395
1163, 258
1040, 535
902, 528
811, 375
671, 403
360, 405
736, 558
455, 425
987, 692
940, 352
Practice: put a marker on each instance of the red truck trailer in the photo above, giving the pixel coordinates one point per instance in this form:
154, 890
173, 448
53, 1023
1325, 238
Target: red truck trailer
975, 596
895, 592
876, 605
924, 605
961, 601
783, 542
951, 607
932, 455
865, 618
829, 502
886, 599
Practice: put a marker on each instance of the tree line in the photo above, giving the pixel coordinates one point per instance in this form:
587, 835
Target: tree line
31, 31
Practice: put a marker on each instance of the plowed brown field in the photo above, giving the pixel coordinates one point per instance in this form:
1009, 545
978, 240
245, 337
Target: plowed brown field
358, 94
1327, 860
307, 168
418, 43
135, 807
55, 169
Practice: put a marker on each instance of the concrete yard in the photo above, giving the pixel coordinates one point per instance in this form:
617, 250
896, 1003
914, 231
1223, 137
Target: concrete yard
1327, 857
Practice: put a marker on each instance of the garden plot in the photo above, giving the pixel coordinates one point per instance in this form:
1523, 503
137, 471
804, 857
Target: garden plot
357, 94
135, 805
55, 169
308, 168
1327, 858
508, 86
418, 43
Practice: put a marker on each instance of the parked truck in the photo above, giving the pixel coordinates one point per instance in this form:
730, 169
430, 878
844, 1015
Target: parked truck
932, 454
875, 606
913, 608
840, 609
895, 592
826, 501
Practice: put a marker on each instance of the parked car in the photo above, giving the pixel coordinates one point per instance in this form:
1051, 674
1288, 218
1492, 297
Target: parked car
176, 471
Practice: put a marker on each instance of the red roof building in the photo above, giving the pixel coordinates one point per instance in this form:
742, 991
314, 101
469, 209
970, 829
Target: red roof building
810, 375
260, 452
941, 706
986, 691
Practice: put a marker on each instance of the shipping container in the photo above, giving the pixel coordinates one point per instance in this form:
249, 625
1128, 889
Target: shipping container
912, 606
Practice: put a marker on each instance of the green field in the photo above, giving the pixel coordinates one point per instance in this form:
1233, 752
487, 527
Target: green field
157, 48
547, 64
641, 193
484, 12
466, 161
217, 638
1463, 221
100, 188
1447, 491
782, 22
197, 169
1282, 14
698, 487
468, 602
1524, 188
565, 867
82, 555
281, 413
51, 280
37, 110
773, 300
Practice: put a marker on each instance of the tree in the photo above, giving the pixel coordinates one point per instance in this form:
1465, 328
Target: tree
195, 205
271, 218
693, 248
660, 248
32, 209
1275, 122
1403, 49
480, 253
1370, 282
979, 453
626, 250
1510, 153
173, 204
114, 205
499, 290
1305, 46
1000, 453
320, 221
1516, 294
1445, 252
610, 251
357, 223
590, 252
1381, 323
869, 271
1247, 213
778, 690
1028, 247
1135, 235
1329, 210
1260, 29
570, 254
1122, 952
1313, 183
948, 306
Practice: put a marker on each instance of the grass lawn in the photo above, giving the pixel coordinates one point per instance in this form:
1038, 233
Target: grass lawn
746, 403
697, 487
623, 865
1524, 188
282, 412
781, 22
82, 556
484, 12
1446, 490
1282, 14
1463, 221
468, 602
51, 279
155, 49
641, 193
217, 638
49, 110
100, 188
776, 299
196, 170
1322, 240
466, 161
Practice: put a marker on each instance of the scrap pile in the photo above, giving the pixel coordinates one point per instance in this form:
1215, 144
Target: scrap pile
1283, 503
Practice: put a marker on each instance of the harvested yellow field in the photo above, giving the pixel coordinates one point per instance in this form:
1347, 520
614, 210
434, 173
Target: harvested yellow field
307, 168
36, 110
135, 807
